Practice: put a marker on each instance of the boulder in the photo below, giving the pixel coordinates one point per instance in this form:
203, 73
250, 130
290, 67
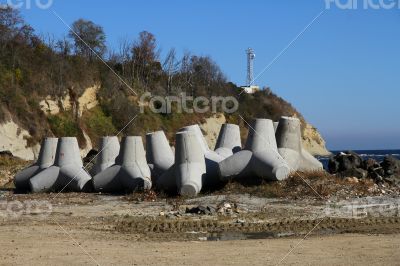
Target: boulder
344, 161
350, 164
370, 164
391, 166
355, 172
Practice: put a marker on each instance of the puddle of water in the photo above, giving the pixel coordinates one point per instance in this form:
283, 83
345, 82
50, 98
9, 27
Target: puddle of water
226, 236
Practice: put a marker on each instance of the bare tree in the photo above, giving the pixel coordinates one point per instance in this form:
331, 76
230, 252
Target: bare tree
186, 72
63, 47
125, 48
145, 56
171, 67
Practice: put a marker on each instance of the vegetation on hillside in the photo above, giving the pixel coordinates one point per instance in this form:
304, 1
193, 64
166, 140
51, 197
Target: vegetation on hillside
33, 67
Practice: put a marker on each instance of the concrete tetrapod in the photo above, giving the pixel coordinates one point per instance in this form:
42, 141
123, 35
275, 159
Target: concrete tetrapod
190, 164
267, 164
108, 152
228, 141
276, 125
288, 137
309, 162
261, 136
212, 158
236, 166
199, 135
47, 155
67, 172
130, 171
260, 158
159, 154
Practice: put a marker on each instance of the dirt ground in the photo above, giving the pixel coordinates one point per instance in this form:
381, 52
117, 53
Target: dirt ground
49, 245
90, 229
321, 221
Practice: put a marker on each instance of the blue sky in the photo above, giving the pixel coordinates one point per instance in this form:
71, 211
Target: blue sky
342, 74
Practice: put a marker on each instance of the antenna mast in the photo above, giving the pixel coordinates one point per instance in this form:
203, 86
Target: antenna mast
250, 66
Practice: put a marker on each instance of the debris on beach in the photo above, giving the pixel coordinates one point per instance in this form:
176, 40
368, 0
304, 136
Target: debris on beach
201, 210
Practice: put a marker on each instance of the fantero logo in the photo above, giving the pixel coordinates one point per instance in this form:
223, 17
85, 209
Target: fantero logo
16, 209
188, 104
363, 4
28, 4
364, 207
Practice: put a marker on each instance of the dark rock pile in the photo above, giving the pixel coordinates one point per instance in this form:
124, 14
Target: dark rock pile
350, 164
6, 154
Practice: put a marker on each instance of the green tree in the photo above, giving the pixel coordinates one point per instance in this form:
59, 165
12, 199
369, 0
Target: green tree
88, 37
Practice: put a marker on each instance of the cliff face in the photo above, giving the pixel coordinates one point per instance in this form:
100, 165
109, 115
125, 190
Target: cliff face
87, 101
313, 141
14, 137
211, 128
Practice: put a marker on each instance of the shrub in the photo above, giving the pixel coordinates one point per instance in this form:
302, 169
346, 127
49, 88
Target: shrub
97, 124
64, 125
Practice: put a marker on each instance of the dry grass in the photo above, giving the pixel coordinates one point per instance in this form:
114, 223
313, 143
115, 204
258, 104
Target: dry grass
264, 189
9, 166
316, 185
299, 185
145, 195
9, 161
